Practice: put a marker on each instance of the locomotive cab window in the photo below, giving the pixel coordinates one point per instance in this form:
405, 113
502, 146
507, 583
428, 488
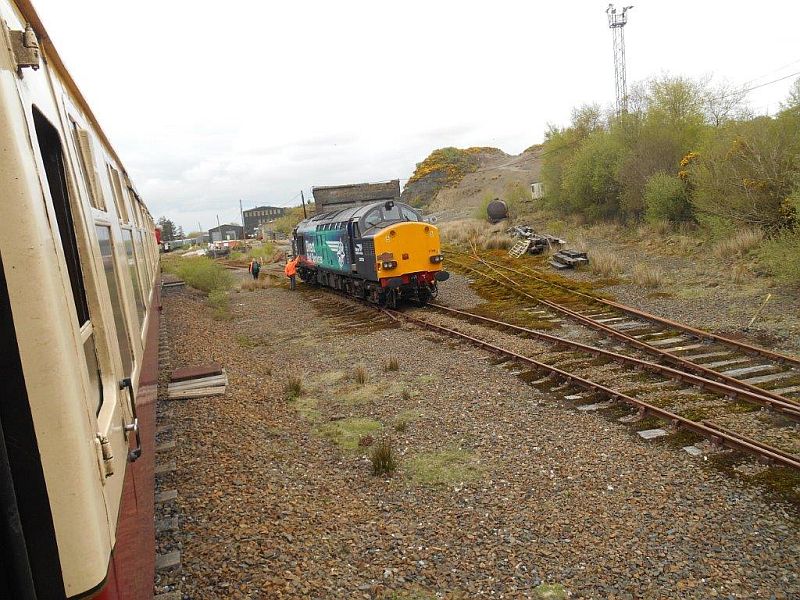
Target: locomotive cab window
372, 218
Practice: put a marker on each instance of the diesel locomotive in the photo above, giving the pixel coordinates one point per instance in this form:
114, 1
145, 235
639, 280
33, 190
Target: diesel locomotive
79, 321
383, 252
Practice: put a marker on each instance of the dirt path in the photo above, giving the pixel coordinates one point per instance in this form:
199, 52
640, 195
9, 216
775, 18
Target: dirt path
500, 488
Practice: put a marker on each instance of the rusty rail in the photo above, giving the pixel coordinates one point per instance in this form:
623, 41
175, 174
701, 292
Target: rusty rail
788, 409
696, 368
701, 333
717, 435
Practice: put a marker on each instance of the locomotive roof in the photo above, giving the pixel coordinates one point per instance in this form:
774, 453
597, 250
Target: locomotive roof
344, 214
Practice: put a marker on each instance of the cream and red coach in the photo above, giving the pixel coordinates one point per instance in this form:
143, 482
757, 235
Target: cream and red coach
78, 341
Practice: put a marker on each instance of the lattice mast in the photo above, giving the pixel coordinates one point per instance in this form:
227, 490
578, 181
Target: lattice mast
617, 22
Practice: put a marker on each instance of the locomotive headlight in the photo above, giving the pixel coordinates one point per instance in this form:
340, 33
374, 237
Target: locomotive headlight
389, 264
436, 259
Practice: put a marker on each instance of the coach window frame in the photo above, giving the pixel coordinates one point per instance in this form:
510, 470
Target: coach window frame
114, 361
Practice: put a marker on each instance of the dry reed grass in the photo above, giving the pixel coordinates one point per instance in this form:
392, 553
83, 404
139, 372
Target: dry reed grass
738, 244
605, 263
294, 387
383, 458
255, 284
360, 375
647, 276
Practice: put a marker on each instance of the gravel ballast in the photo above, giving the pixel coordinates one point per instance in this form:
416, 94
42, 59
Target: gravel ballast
270, 507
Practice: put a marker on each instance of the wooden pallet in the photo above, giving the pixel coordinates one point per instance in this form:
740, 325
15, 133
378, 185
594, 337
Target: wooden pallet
520, 248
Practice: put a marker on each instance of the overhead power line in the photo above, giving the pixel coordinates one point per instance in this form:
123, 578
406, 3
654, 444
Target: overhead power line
755, 87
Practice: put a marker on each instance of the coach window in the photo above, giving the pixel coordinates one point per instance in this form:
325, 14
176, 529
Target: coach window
143, 259
119, 199
53, 160
133, 271
88, 171
123, 339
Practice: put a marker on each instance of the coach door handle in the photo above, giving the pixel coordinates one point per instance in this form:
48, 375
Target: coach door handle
134, 427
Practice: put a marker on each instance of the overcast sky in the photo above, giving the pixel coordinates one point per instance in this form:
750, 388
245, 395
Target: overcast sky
211, 102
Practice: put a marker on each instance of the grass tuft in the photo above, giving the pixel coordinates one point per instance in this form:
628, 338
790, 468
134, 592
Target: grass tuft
293, 388
360, 375
740, 273
444, 468
649, 277
220, 305
405, 394
393, 364
382, 456
255, 284
739, 244
347, 433
605, 263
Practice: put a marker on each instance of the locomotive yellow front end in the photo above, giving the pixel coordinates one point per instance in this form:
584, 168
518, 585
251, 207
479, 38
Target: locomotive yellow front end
408, 257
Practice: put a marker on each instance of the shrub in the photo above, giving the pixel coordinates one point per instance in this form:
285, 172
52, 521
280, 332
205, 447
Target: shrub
781, 256
264, 252
293, 388
646, 276
665, 199
738, 244
481, 212
383, 458
203, 273
604, 263
590, 184
360, 375
393, 364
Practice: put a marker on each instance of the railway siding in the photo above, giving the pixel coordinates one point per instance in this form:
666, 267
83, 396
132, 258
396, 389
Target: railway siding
271, 507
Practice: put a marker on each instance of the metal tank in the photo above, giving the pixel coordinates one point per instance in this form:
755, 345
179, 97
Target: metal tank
496, 210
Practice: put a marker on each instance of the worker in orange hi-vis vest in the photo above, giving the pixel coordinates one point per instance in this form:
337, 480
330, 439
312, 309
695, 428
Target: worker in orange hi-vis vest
291, 271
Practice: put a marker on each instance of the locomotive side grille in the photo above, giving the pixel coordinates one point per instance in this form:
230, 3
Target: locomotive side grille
369, 248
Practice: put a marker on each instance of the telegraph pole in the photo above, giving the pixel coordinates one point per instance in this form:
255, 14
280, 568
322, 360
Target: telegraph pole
303, 200
617, 22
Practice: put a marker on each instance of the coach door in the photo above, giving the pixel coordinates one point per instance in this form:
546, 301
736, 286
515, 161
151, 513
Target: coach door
103, 398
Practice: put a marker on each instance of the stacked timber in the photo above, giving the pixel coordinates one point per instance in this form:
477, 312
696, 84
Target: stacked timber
197, 382
568, 259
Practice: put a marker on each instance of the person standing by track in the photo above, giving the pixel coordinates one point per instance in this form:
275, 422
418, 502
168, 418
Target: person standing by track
254, 268
291, 271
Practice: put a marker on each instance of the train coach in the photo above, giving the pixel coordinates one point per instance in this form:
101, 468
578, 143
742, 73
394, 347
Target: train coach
381, 251
78, 339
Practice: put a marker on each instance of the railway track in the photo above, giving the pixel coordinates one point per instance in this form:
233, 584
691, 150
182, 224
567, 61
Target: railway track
598, 391
737, 364
572, 359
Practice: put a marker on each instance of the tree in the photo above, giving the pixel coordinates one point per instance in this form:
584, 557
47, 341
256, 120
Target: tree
749, 174
793, 99
168, 229
724, 103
